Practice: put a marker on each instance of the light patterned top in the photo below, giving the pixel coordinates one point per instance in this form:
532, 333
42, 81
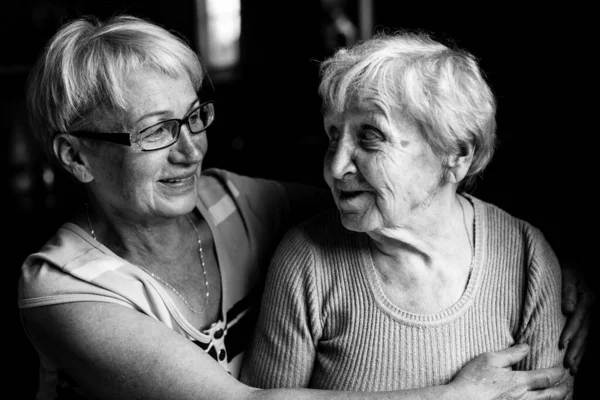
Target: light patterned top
247, 217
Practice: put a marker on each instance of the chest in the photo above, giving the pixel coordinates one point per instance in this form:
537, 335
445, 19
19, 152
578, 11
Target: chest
194, 286
427, 298
379, 351
422, 289
383, 347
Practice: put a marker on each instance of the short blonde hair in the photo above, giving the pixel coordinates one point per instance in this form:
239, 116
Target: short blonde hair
441, 88
83, 67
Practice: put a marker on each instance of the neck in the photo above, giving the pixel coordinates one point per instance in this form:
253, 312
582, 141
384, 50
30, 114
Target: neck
438, 236
426, 271
143, 242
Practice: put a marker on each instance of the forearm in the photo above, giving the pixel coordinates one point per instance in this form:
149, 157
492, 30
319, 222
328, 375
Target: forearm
543, 317
443, 392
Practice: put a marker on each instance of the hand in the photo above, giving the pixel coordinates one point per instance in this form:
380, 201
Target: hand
577, 301
489, 377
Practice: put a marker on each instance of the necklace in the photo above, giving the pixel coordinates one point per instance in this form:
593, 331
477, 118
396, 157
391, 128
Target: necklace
153, 275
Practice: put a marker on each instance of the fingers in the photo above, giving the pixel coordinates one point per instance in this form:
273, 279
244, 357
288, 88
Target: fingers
570, 331
577, 346
577, 319
570, 278
508, 357
577, 362
555, 393
542, 378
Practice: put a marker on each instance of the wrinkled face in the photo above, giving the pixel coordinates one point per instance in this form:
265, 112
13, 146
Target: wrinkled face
156, 184
381, 171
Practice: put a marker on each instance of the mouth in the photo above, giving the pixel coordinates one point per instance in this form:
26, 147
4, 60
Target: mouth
175, 181
349, 194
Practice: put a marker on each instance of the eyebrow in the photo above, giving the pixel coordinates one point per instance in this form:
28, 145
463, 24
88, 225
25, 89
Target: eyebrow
166, 112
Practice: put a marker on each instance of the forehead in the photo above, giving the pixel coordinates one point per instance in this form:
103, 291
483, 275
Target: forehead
366, 106
149, 88
147, 93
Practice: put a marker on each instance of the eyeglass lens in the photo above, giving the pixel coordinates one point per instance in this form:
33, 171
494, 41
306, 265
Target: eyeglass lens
165, 133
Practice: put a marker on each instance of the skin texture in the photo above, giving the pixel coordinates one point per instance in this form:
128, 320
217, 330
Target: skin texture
387, 182
384, 157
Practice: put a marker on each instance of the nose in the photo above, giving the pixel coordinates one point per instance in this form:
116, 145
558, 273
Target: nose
340, 160
190, 147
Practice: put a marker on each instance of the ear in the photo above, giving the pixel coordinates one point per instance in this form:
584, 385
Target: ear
67, 150
458, 165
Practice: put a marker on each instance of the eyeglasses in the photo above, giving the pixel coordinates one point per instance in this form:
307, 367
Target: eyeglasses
160, 135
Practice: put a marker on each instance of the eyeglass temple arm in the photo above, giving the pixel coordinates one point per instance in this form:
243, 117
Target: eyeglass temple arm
120, 138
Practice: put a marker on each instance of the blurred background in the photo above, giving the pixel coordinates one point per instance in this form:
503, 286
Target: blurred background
262, 57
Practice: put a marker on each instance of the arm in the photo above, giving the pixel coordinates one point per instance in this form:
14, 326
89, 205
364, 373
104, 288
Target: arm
542, 320
115, 352
577, 301
282, 352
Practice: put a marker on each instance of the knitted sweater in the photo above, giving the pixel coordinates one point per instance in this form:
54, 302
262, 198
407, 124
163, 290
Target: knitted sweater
326, 323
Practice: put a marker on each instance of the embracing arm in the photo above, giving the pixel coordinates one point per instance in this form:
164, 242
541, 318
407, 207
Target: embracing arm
114, 352
577, 301
542, 319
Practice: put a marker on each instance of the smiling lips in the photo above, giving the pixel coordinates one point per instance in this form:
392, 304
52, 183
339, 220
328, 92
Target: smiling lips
178, 180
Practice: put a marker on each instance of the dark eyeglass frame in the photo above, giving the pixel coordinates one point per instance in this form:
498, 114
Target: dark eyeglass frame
134, 139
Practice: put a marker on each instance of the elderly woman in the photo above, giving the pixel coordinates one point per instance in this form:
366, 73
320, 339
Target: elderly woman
148, 290
411, 277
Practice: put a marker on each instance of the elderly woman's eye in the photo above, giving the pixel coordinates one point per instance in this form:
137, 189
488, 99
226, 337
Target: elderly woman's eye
332, 135
370, 136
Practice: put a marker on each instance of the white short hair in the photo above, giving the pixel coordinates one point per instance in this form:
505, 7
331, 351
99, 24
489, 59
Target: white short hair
83, 67
441, 88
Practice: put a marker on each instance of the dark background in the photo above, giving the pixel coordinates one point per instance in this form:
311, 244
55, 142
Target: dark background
537, 62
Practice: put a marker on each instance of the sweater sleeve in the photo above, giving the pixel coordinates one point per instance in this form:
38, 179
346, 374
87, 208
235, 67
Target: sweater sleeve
543, 320
283, 349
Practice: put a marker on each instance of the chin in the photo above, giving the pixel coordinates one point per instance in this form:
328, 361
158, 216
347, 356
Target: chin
355, 222
178, 207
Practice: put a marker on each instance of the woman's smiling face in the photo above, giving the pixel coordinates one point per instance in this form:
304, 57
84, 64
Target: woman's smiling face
155, 184
381, 171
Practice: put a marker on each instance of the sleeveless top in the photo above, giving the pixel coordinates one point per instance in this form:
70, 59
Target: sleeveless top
247, 217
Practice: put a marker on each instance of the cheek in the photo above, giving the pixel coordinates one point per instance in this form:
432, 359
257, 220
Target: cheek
142, 172
381, 171
108, 167
429, 170
201, 142
131, 178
